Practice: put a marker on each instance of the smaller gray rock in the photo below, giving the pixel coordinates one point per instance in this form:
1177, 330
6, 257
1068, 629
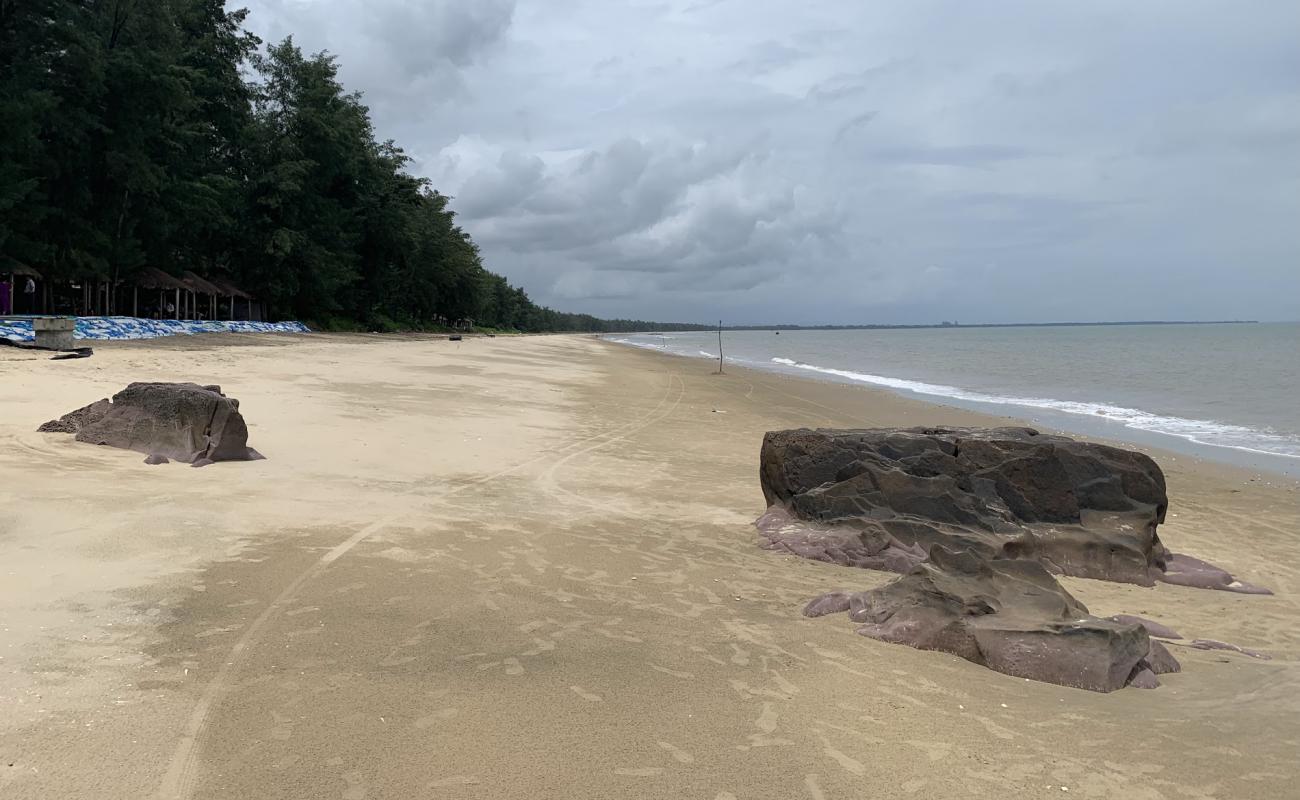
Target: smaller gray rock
1160, 661
1009, 615
1144, 679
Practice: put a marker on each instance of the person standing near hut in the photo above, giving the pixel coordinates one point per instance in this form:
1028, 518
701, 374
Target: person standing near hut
29, 295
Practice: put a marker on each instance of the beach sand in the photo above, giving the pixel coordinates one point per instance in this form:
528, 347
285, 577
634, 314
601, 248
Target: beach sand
526, 568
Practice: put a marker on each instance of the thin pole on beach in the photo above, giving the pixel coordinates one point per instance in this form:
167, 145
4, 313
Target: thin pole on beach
719, 347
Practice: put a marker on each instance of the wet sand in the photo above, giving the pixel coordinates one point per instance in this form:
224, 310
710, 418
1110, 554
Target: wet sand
525, 567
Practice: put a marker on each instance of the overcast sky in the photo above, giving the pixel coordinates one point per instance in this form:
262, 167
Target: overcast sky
848, 161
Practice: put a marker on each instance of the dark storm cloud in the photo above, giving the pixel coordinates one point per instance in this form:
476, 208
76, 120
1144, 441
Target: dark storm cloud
845, 161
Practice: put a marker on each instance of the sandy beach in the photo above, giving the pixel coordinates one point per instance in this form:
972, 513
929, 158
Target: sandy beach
526, 568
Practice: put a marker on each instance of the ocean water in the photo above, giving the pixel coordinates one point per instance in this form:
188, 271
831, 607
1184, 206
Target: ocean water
1226, 392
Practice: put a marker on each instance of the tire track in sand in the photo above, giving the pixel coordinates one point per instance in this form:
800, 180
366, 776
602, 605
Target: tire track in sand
181, 777
550, 482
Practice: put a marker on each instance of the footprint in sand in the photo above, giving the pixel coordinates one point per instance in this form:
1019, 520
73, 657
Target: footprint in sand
283, 729
454, 780
678, 754
850, 765
673, 672
513, 667
356, 786
586, 695
429, 720
766, 724
783, 684
935, 751
542, 646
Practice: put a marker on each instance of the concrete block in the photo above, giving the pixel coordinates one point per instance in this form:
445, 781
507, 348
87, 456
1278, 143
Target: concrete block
55, 333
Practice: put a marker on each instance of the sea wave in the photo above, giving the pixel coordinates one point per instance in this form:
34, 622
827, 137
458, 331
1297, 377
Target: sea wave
645, 345
1205, 432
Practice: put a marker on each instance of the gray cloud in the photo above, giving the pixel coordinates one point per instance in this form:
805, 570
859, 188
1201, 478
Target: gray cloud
950, 155
421, 35
844, 161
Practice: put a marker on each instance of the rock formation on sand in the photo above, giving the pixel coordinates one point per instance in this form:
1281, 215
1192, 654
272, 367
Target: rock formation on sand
73, 421
978, 521
178, 421
881, 498
1009, 615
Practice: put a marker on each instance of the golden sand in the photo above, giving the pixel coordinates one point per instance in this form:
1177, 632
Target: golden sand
525, 568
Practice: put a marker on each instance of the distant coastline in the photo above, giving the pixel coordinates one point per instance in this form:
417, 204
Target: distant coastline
669, 327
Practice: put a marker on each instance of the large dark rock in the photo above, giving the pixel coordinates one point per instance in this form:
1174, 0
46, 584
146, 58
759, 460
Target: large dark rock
179, 421
1009, 615
977, 521
882, 498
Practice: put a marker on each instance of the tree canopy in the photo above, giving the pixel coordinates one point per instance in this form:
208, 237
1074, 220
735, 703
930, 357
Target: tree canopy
160, 133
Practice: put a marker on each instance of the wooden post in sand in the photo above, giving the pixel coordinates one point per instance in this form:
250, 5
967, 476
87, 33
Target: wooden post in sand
719, 347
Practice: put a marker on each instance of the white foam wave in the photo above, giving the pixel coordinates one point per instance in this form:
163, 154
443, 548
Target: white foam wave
1205, 432
644, 345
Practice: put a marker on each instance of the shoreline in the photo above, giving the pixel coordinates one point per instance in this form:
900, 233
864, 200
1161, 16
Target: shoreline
527, 565
1098, 425
922, 407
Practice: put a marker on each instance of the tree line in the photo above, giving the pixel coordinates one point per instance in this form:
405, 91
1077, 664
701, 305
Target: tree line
160, 133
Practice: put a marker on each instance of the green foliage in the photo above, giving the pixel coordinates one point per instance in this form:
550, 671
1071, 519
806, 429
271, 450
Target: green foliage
156, 133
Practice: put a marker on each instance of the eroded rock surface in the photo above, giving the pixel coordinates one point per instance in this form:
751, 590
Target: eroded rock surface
1010, 615
178, 421
882, 498
977, 522
73, 421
